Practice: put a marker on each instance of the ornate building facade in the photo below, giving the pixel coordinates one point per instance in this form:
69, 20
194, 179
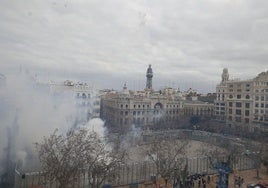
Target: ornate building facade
243, 102
148, 107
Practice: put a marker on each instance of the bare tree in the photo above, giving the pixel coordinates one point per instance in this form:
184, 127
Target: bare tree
103, 167
264, 154
222, 151
168, 157
213, 153
65, 157
265, 160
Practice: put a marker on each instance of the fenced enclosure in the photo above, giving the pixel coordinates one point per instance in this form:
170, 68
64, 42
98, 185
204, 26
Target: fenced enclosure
134, 173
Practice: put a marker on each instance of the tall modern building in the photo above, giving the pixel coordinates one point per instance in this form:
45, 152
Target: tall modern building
242, 102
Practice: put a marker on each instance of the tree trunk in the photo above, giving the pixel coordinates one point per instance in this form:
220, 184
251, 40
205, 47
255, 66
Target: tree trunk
63, 184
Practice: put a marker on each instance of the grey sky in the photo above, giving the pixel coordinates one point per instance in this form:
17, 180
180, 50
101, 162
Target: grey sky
108, 42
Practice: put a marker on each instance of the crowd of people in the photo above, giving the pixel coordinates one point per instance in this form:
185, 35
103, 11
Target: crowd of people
195, 180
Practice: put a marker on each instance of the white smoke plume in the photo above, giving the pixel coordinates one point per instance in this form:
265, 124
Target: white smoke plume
28, 112
96, 125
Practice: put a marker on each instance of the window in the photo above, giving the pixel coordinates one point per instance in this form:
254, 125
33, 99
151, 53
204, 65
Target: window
247, 105
238, 104
134, 113
257, 105
230, 104
126, 113
230, 111
246, 112
230, 96
238, 112
238, 96
247, 97
238, 119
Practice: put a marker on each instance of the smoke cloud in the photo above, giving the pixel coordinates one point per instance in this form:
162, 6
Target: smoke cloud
30, 110
96, 125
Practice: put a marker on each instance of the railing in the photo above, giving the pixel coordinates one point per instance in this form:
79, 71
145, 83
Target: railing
134, 173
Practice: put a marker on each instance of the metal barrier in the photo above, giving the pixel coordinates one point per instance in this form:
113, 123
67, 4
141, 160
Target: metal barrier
132, 174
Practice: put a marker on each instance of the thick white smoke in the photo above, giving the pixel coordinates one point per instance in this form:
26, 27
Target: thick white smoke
28, 112
96, 125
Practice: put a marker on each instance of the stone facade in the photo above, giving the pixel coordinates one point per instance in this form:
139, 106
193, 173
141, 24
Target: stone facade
146, 108
243, 102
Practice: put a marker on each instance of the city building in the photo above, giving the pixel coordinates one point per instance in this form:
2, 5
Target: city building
85, 97
149, 107
220, 102
242, 102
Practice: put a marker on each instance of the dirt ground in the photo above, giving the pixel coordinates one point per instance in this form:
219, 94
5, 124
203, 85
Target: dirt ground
193, 149
249, 176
